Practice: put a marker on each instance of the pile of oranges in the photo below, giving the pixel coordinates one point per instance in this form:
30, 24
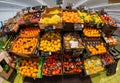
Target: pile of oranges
29, 32
71, 17
98, 49
24, 45
29, 68
91, 32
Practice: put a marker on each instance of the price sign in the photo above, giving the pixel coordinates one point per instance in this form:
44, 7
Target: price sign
37, 8
45, 53
23, 10
75, 52
78, 26
58, 2
28, 8
49, 28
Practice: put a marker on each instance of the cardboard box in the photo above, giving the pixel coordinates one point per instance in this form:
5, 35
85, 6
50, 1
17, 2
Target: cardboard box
6, 75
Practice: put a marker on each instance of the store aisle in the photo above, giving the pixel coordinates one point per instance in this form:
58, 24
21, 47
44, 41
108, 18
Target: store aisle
60, 79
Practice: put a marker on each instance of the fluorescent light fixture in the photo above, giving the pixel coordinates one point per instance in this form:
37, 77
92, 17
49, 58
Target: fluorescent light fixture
42, 2
79, 3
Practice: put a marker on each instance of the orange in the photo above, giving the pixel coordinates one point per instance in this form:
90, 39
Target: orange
30, 62
28, 74
22, 73
35, 70
34, 75
31, 68
37, 64
35, 67
34, 62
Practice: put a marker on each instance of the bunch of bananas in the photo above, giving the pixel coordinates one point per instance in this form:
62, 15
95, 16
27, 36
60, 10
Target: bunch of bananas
90, 18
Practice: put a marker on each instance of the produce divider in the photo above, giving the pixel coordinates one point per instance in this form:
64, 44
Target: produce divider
68, 42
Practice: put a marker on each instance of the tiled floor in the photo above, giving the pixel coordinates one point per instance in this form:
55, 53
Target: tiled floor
102, 78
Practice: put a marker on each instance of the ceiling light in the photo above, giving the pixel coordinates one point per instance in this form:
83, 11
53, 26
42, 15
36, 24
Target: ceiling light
42, 2
79, 3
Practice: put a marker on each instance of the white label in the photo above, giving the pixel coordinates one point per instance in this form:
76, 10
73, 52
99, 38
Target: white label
49, 53
74, 44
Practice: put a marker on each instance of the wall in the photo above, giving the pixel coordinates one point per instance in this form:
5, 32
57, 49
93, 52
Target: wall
6, 15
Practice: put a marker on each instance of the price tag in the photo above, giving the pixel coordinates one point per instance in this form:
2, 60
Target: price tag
44, 53
37, 8
74, 44
75, 52
28, 8
49, 28
23, 10
78, 27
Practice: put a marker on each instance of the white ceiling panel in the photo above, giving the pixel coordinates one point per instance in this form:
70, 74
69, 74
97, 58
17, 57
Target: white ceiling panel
16, 5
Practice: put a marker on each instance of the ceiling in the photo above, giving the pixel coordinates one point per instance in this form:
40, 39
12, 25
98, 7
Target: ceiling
16, 5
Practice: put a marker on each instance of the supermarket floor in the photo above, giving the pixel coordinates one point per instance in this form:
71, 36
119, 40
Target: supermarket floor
60, 79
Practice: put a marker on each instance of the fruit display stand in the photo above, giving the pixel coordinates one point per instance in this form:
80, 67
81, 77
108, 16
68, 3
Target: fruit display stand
65, 42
